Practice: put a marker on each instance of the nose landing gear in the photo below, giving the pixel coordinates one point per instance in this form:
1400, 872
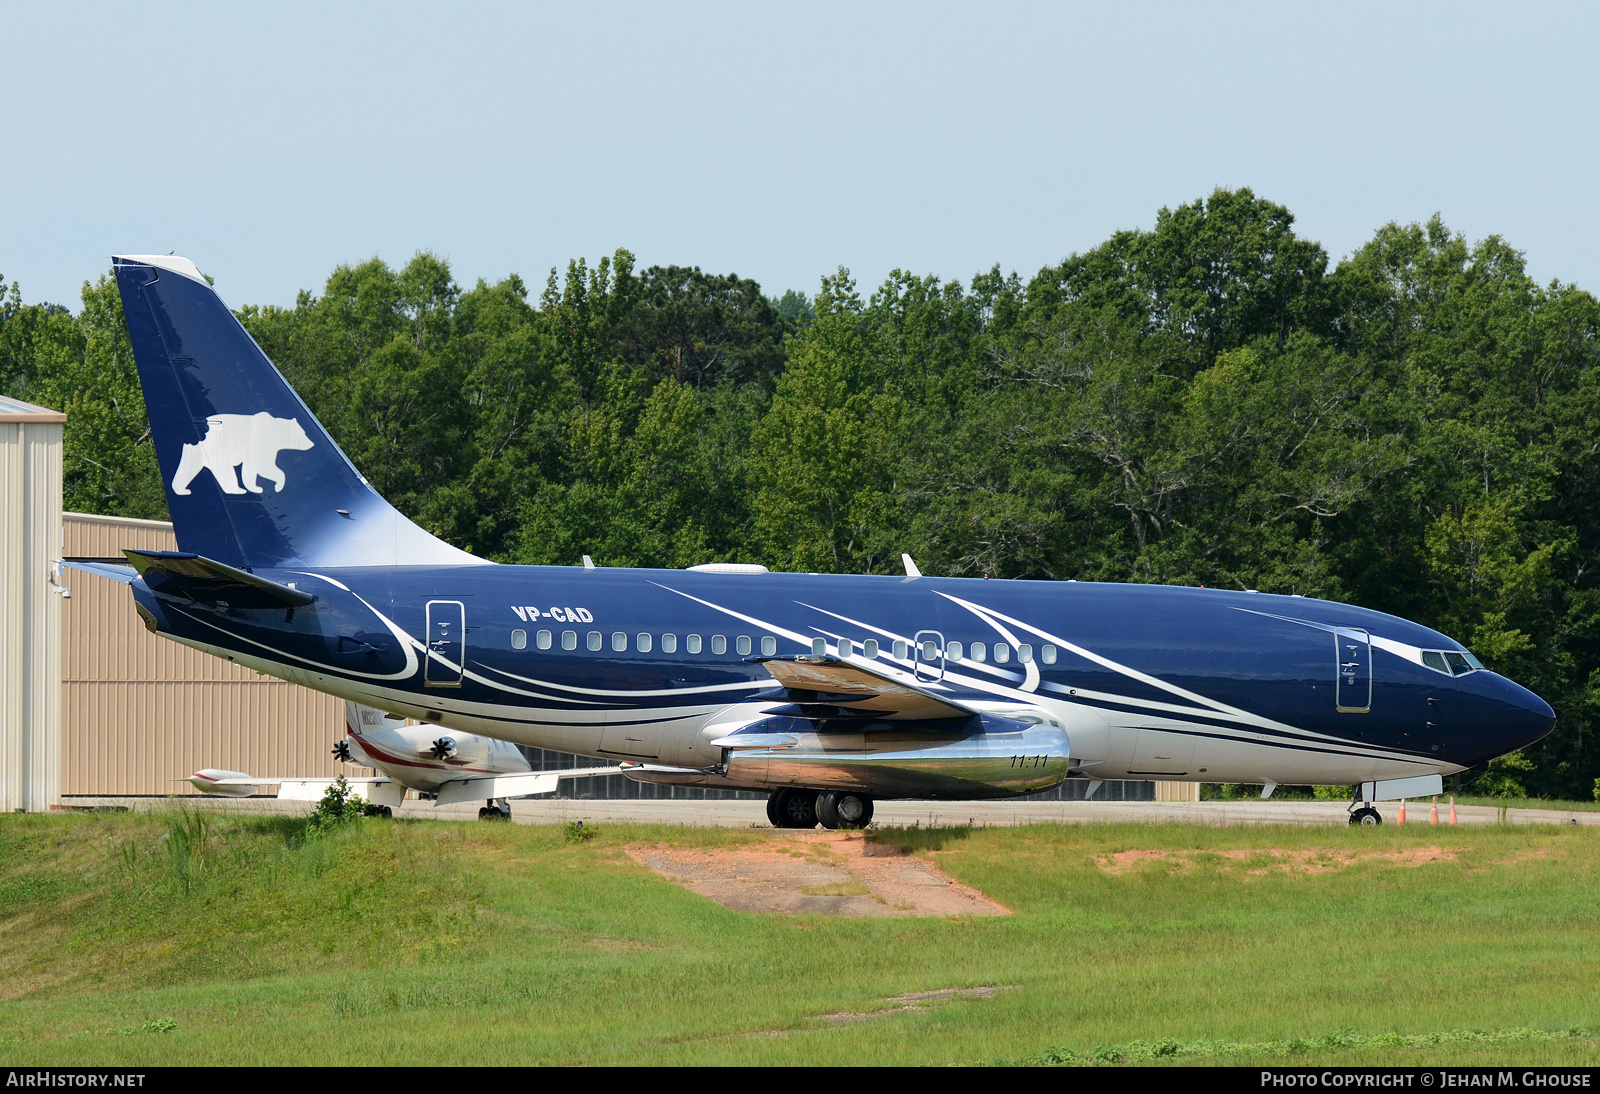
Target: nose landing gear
1362, 812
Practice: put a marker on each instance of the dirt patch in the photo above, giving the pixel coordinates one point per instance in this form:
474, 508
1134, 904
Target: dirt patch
829, 873
1268, 860
917, 1000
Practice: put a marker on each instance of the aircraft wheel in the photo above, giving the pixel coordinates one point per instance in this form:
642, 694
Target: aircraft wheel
483, 812
774, 808
853, 810
1366, 815
388, 812
798, 809
828, 809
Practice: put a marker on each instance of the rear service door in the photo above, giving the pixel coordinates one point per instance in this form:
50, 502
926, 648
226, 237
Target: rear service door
447, 644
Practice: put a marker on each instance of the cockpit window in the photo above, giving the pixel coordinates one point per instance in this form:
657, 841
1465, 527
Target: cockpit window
1451, 662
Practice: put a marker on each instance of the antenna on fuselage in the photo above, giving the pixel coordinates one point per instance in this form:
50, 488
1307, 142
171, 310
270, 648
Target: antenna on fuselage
911, 567
588, 563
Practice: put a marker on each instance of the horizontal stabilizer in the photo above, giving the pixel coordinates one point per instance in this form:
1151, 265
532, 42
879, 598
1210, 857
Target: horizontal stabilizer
859, 688
116, 569
514, 786
204, 581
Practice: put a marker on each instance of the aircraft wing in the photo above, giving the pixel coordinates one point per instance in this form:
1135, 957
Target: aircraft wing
311, 790
856, 687
239, 784
512, 786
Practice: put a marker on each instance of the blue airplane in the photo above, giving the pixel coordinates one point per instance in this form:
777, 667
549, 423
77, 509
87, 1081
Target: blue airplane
826, 691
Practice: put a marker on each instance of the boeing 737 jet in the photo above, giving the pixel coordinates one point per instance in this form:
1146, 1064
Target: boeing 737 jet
826, 691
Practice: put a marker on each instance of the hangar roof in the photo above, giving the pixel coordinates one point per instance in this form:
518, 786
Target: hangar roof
15, 410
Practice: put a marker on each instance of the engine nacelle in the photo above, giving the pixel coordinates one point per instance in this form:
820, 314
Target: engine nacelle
452, 747
981, 757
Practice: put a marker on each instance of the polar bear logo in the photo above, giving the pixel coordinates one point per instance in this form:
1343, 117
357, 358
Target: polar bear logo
250, 442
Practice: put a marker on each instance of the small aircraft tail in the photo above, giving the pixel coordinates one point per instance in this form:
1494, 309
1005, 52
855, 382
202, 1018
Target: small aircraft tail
252, 478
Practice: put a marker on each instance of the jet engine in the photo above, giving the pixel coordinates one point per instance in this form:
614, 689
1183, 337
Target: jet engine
457, 748
982, 756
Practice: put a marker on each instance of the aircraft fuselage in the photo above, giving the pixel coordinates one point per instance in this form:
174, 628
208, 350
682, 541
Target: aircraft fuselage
1148, 682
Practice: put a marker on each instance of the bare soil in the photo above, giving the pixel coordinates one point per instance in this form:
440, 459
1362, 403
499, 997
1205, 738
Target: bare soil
818, 873
1276, 859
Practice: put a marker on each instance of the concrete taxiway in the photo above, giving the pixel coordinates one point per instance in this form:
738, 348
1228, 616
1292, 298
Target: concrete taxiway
752, 814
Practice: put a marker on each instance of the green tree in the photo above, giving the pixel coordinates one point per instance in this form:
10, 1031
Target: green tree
824, 459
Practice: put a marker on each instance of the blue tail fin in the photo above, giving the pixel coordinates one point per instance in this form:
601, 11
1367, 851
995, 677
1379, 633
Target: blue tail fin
252, 479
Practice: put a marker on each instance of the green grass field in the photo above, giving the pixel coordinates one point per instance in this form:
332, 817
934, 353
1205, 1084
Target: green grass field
129, 939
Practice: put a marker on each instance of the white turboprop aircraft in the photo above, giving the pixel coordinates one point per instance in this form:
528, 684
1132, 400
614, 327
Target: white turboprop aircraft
452, 767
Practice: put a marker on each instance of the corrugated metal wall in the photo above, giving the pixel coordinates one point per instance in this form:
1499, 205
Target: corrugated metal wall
30, 608
141, 711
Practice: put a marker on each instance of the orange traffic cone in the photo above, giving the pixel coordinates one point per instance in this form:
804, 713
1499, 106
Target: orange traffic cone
1402, 819
1433, 814
1452, 808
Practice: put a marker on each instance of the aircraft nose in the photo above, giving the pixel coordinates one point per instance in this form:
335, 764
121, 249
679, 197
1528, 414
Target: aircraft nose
1527, 719
1541, 717
1498, 717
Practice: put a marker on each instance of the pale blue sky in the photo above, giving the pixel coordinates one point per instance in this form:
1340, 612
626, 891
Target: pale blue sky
271, 142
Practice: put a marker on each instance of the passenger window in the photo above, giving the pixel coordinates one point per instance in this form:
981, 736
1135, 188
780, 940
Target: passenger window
930, 650
669, 643
869, 648
847, 648
619, 641
719, 644
1002, 653
542, 640
569, 640
1435, 661
1025, 654
594, 640
980, 652
819, 647
519, 640
900, 649
744, 645
693, 643
1047, 654
644, 642
769, 645
953, 651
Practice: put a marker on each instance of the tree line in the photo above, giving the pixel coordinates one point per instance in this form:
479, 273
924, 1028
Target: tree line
1209, 401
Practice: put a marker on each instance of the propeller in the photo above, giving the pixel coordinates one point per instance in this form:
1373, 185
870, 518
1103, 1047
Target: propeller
444, 748
341, 752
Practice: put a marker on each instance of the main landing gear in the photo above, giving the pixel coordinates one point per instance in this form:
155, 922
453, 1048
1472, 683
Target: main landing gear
831, 808
497, 809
